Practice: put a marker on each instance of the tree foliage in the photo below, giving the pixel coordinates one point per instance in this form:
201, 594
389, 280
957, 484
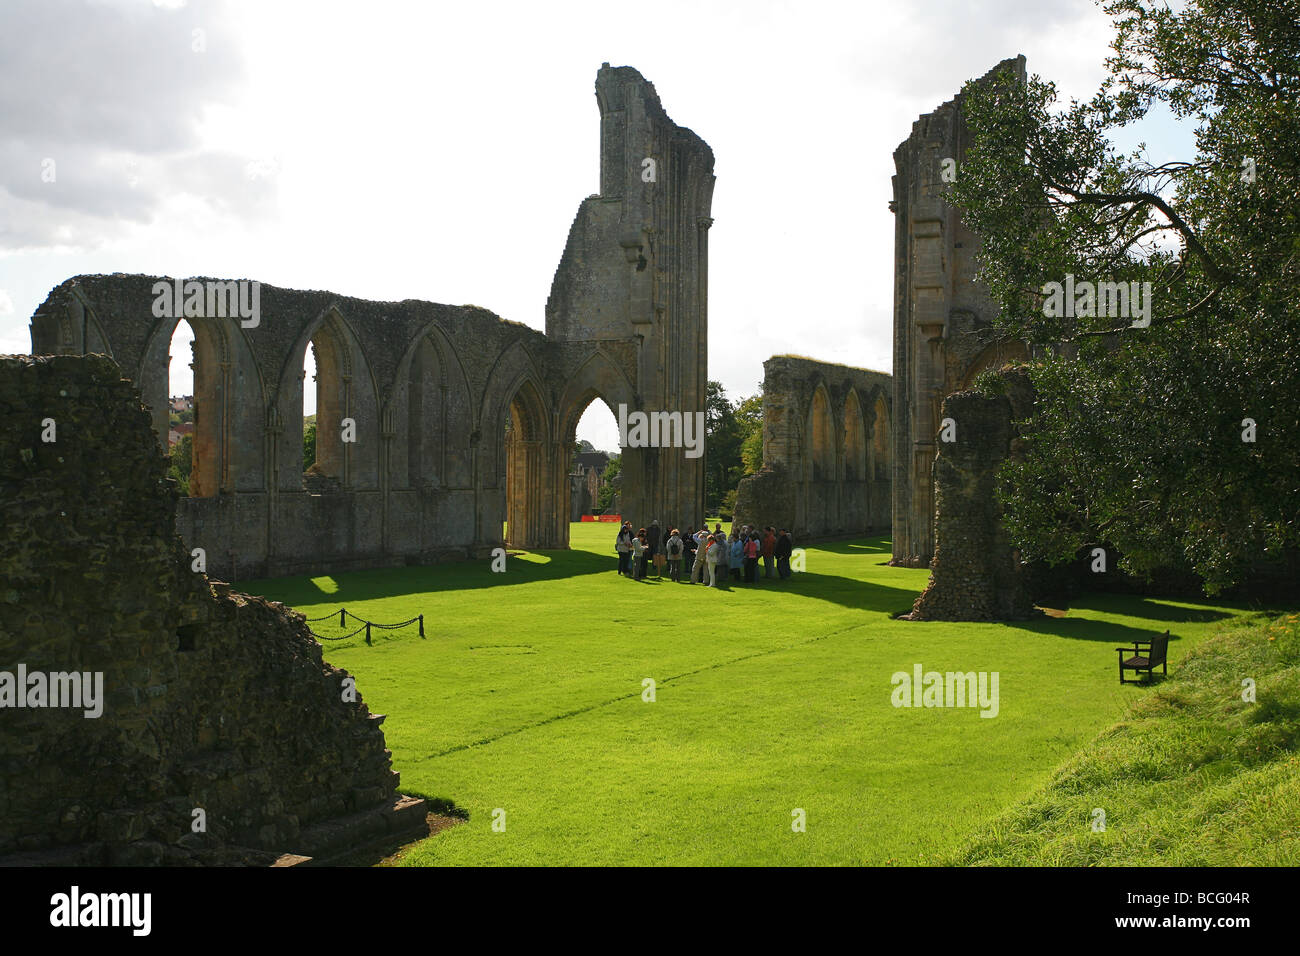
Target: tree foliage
728, 428
605, 496
308, 445
181, 457
1137, 441
749, 419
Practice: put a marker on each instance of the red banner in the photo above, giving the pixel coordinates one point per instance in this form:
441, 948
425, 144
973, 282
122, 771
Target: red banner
602, 517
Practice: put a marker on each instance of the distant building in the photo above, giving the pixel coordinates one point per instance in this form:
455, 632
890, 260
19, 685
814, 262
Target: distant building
585, 483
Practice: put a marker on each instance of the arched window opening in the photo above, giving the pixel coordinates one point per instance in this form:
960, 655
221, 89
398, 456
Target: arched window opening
595, 471
195, 407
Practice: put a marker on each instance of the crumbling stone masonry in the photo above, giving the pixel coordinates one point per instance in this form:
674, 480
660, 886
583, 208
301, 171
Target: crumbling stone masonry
942, 316
976, 575
826, 450
212, 700
463, 421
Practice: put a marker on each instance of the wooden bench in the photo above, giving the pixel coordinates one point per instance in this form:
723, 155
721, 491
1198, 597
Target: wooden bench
1147, 655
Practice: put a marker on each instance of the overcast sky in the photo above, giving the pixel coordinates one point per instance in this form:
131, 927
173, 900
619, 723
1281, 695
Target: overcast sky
439, 151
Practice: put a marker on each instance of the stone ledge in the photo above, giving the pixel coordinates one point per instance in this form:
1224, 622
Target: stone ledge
325, 842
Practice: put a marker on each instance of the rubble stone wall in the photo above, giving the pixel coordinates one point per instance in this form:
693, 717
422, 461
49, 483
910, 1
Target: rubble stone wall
976, 575
211, 700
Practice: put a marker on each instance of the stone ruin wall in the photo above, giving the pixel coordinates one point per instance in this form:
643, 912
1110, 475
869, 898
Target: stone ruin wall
434, 471
212, 699
635, 270
942, 316
976, 575
826, 451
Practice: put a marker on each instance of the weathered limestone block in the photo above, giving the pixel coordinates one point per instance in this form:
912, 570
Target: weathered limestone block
212, 700
975, 575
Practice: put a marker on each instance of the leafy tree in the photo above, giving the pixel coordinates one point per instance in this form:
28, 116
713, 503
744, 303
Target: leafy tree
182, 462
728, 509
605, 496
749, 419
1137, 441
308, 445
723, 440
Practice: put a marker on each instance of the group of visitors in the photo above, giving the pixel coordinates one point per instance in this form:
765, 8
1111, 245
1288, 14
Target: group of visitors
704, 557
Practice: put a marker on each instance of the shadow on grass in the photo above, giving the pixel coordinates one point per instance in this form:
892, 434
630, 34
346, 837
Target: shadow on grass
1082, 629
419, 579
1148, 608
349, 587
850, 592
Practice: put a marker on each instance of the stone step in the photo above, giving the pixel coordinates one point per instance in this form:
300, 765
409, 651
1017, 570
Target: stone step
401, 816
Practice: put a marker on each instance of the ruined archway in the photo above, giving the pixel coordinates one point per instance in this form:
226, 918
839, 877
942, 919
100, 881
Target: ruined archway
212, 466
588, 492
348, 426
527, 480
431, 473
599, 378
819, 474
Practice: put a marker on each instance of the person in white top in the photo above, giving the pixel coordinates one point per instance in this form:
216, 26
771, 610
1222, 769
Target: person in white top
700, 569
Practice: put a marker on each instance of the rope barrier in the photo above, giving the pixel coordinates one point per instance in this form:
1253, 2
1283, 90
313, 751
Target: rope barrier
365, 625
322, 637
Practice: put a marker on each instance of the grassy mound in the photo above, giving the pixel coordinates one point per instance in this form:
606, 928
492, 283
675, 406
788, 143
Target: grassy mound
1195, 775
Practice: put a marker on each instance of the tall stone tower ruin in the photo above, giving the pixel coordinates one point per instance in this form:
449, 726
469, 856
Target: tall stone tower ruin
941, 315
634, 281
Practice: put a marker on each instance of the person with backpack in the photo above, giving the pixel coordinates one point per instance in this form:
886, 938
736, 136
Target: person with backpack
673, 552
623, 545
639, 548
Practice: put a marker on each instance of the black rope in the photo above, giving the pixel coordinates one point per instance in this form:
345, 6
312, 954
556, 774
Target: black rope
321, 637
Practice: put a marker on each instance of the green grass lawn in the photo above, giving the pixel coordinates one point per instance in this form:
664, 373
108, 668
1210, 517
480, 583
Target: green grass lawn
526, 696
1197, 773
